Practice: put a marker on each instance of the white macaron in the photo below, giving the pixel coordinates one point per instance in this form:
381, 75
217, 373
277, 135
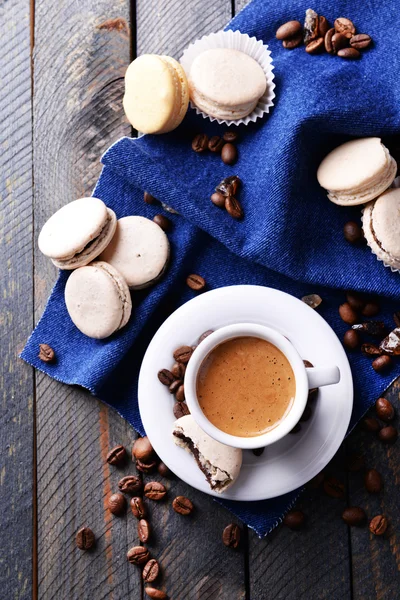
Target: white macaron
381, 225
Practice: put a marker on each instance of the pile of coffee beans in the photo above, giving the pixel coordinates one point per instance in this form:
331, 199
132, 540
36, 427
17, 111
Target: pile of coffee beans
225, 196
318, 36
224, 145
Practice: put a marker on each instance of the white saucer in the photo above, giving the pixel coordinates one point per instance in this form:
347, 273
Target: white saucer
294, 460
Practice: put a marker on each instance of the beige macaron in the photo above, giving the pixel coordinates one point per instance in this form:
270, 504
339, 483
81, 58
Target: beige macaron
226, 83
357, 171
139, 250
156, 94
98, 300
77, 233
381, 224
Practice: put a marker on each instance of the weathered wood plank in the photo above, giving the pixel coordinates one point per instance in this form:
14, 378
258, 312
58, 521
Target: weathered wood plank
17, 403
77, 115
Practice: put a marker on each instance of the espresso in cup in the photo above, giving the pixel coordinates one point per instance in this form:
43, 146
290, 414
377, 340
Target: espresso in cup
245, 386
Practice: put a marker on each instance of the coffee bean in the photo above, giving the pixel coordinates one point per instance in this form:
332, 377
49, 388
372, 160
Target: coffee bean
155, 594
138, 507
165, 376
183, 354
229, 154
378, 525
117, 456
293, 42
116, 504
142, 449
258, 451
345, 26
360, 41
143, 529
294, 519
355, 462
328, 41
155, 490
131, 484
382, 363
351, 339
231, 536
163, 470
288, 30
229, 186
349, 53
315, 46
388, 434
180, 394
149, 199
150, 571
334, 488
215, 144
373, 481
306, 414
233, 207
384, 409
354, 515
85, 538
375, 328
138, 555
162, 221
353, 232
371, 309
370, 350
371, 424
178, 370
230, 136
356, 301
180, 410
339, 41
205, 335
182, 505
195, 282
323, 26
147, 468
218, 199
46, 353
175, 385
296, 428
347, 314
200, 142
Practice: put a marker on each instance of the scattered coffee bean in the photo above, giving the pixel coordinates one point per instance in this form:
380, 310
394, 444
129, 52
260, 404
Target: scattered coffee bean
205, 335
294, 519
85, 538
116, 504
182, 505
356, 301
328, 41
162, 221
323, 26
345, 26
200, 142
374, 328
163, 470
334, 488
371, 424
233, 207
146, 468
378, 525
230, 136
370, 350
371, 309
138, 555
353, 516
155, 594
143, 529
131, 484
382, 363
373, 481
361, 41
311, 25
355, 462
288, 30
180, 410
306, 414
316, 46
218, 199
165, 376
351, 339
117, 456
384, 409
229, 154
296, 428
180, 394
178, 370
339, 41
258, 451
195, 282
142, 449
215, 144
175, 385
183, 354
353, 232
349, 53
149, 199
155, 490
388, 434
396, 318
391, 344
293, 42
138, 507
150, 571
46, 353
312, 300
231, 536
347, 314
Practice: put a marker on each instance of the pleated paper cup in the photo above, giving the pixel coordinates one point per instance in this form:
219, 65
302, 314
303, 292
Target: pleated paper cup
244, 43
395, 184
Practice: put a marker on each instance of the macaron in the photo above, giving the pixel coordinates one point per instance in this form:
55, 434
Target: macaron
98, 300
381, 224
156, 93
220, 463
226, 83
77, 233
139, 250
357, 171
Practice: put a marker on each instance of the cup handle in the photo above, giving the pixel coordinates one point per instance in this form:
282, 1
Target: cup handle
320, 376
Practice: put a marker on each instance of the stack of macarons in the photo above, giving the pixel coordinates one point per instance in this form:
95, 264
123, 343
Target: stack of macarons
132, 253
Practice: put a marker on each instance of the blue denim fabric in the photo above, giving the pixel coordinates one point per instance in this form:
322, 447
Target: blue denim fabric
291, 237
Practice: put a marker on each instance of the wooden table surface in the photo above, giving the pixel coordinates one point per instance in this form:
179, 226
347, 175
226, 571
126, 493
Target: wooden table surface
61, 73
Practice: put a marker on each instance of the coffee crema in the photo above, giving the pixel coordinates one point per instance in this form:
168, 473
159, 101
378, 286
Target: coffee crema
245, 386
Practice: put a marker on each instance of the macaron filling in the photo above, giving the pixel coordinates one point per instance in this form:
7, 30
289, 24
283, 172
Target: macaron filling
123, 292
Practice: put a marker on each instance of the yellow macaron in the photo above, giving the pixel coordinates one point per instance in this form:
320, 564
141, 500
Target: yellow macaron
156, 94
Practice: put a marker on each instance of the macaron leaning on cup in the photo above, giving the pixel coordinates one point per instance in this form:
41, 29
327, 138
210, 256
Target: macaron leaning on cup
98, 300
156, 94
77, 233
381, 225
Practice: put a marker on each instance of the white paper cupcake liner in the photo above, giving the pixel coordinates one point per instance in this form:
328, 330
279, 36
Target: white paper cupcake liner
249, 45
395, 184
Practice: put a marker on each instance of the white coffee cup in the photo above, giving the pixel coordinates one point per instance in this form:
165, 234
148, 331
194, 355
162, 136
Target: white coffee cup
306, 379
